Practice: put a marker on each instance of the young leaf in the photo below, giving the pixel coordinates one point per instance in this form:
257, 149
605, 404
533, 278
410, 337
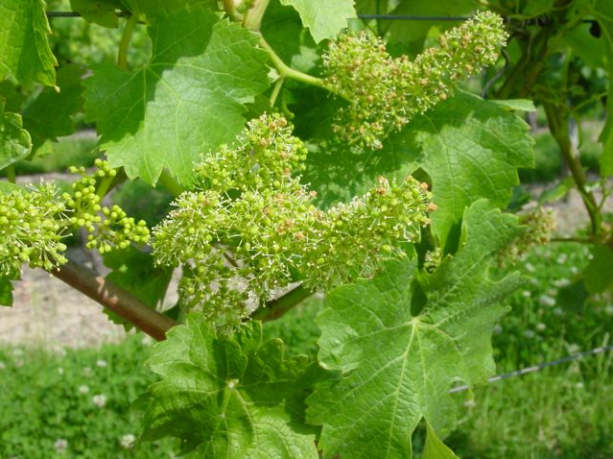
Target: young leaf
24, 48
324, 18
230, 397
398, 363
469, 147
187, 100
15, 142
598, 274
49, 115
434, 448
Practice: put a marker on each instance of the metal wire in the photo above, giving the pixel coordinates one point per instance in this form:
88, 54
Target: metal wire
383, 17
402, 17
63, 14
525, 371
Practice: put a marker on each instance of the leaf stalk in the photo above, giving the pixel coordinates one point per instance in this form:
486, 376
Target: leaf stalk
286, 71
122, 55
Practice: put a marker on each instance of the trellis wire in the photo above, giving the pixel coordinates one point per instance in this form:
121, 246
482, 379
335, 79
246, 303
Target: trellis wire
383, 17
534, 368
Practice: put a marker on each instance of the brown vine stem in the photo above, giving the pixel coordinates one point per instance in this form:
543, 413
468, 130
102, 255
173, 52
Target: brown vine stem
279, 307
122, 303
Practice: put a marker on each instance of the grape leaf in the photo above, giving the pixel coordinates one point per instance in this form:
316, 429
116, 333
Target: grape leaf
398, 363
434, 448
469, 147
49, 115
603, 10
598, 275
6, 291
101, 12
590, 49
229, 397
15, 142
135, 272
12, 95
517, 105
372, 6
186, 100
325, 19
24, 48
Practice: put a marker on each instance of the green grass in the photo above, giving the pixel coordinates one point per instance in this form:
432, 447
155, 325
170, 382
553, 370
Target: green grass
561, 412
47, 399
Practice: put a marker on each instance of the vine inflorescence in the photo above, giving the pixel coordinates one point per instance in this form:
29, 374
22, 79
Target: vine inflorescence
385, 93
251, 227
34, 221
537, 228
108, 227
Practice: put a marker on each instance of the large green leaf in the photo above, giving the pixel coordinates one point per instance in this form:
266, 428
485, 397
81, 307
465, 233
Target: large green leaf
324, 18
229, 397
603, 10
186, 101
24, 49
398, 361
470, 148
15, 142
49, 115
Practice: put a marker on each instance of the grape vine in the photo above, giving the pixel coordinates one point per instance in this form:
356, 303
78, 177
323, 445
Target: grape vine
306, 151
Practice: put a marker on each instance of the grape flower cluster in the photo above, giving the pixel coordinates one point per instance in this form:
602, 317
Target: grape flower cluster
385, 93
34, 221
537, 227
32, 225
250, 227
108, 227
